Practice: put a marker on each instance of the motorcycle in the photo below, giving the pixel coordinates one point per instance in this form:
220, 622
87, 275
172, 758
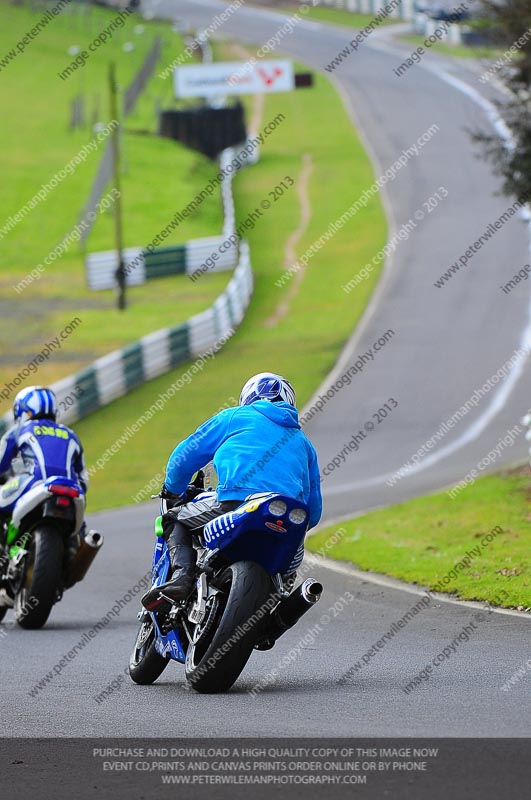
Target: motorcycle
45, 552
239, 603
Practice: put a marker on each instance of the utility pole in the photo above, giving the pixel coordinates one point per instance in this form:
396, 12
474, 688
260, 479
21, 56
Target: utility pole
118, 234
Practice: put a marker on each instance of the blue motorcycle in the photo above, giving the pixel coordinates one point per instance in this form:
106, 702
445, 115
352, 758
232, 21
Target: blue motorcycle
240, 601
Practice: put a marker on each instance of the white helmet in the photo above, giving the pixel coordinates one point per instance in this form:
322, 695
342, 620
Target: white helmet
267, 386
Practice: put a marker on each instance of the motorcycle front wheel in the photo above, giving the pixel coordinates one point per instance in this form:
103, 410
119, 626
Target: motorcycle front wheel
145, 664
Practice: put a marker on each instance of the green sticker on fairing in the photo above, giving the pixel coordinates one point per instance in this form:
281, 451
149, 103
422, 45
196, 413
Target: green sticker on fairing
158, 527
15, 543
12, 533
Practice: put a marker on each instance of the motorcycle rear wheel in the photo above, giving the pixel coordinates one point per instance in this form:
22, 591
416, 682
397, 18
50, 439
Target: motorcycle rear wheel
245, 587
42, 578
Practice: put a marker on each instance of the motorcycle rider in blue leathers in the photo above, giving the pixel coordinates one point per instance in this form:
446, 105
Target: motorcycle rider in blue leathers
256, 447
34, 449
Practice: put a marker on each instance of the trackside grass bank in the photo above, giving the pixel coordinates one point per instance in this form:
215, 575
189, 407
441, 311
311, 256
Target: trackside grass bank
475, 546
459, 51
42, 272
305, 342
335, 15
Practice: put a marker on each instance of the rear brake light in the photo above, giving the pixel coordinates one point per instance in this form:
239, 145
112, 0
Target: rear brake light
66, 491
62, 501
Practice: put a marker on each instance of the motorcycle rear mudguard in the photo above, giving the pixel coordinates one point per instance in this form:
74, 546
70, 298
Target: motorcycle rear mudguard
38, 494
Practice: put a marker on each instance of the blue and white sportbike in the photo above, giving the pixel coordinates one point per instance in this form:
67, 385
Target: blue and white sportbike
46, 552
240, 601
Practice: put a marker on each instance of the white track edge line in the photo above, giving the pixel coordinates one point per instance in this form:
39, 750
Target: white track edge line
342, 568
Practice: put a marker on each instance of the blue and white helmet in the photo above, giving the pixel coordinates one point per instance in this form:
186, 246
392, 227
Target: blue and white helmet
267, 386
35, 402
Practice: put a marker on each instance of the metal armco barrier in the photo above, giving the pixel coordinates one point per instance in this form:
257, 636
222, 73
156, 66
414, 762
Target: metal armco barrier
142, 265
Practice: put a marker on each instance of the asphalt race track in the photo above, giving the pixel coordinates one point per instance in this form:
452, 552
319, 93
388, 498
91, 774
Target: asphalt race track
447, 343
462, 697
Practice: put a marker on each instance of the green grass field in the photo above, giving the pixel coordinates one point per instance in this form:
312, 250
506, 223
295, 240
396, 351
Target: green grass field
337, 16
159, 177
306, 343
421, 541
459, 51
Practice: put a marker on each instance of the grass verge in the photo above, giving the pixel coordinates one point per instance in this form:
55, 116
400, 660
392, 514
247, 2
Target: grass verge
424, 540
459, 51
159, 177
339, 17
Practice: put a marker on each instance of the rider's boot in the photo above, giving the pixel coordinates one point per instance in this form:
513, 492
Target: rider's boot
183, 560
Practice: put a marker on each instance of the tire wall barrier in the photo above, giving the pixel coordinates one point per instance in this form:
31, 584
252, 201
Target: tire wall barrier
206, 129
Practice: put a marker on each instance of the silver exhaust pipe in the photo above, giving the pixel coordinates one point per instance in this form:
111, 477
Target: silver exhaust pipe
89, 549
311, 590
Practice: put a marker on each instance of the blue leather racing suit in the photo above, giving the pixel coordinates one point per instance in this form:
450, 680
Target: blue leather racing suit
34, 451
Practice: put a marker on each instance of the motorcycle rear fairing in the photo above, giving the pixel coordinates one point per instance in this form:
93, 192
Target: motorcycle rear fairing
44, 555
249, 532
252, 533
40, 493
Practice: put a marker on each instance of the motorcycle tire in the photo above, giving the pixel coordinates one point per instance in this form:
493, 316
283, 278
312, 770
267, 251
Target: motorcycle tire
212, 664
42, 578
145, 664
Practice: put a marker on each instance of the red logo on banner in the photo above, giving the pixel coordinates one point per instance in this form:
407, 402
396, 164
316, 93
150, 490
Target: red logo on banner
269, 79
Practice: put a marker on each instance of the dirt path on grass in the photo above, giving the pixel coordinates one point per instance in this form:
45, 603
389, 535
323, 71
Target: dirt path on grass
303, 185
290, 254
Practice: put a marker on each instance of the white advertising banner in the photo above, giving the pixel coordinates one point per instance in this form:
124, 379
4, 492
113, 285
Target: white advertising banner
233, 77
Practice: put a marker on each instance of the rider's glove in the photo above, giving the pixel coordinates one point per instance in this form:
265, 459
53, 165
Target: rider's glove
167, 495
192, 491
196, 487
